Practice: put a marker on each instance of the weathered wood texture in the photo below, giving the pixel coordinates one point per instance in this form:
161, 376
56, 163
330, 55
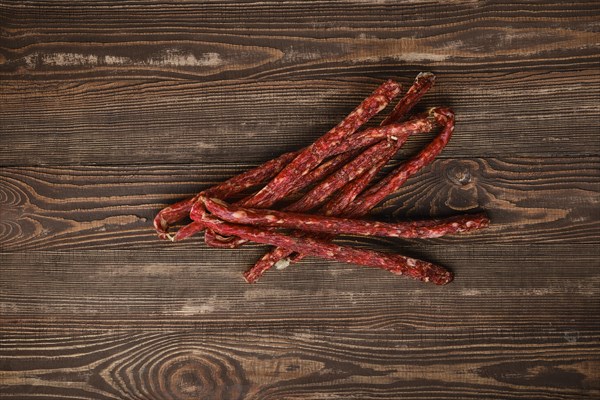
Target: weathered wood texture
111, 110
518, 322
100, 78
67, 208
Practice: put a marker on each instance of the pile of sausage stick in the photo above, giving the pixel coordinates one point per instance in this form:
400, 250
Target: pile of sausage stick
300, 201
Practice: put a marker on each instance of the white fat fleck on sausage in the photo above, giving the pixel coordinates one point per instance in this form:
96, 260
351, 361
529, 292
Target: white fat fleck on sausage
239, 214
218, 201
283, 263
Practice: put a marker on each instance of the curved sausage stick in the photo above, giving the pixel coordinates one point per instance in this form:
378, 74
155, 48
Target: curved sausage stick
422, 229
178, 211
392, 182
323, 147
423, 82
397, 134
323, 170
396, 264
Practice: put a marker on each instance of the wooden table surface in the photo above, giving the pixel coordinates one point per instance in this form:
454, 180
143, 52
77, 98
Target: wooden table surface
111, 110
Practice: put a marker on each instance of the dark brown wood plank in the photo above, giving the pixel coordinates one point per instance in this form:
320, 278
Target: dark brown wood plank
283, 40
518, 322
530, 200
496, 286
302, 364
110, 110
112, 83
150, 122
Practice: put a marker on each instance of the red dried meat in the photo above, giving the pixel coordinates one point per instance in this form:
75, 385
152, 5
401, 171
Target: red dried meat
336, 169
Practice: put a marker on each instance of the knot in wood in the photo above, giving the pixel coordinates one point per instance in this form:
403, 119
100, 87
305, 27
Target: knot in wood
460, 174
186, 370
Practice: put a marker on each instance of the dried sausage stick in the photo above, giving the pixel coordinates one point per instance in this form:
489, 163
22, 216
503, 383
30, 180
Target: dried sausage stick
277, 255
355, 168
396, 133
423, 82
178, 211
315, 175
359, 165
423, 229
239, 183
369, 199
397, 264
323, 147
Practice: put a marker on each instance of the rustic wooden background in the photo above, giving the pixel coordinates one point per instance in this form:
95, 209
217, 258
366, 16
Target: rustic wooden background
111, 110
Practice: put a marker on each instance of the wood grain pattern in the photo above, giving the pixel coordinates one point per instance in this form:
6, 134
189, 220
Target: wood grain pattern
498, 286
193, 365
110, 110
517, 322
272, 39
149, 122
112, 208
234, 77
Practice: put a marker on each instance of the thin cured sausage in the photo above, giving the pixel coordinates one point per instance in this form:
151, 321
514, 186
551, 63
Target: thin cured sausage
314, 154
423, 229
331, 179
394, 263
